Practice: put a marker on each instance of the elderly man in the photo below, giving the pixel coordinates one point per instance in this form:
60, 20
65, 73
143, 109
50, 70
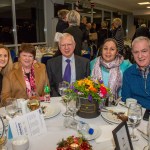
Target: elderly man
136, 79
68, 67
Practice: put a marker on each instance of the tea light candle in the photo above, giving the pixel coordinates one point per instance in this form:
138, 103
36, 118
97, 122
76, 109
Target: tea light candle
74, 146
20, 143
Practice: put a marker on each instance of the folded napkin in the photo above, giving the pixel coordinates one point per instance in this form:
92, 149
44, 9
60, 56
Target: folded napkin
106, 134
143, 126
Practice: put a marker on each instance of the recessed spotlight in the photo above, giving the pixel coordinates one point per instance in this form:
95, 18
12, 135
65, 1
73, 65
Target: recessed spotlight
144, 3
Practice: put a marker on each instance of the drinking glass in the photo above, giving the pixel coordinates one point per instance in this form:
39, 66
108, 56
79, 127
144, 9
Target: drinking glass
62, 87
134, 117
11, 107
3, 137
62, 91
74, 105
148, 133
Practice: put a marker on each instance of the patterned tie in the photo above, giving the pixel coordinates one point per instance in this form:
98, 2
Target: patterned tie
67, 73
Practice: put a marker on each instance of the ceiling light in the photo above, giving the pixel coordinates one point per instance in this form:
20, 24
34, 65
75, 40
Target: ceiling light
91, 12
148, 6
144, 3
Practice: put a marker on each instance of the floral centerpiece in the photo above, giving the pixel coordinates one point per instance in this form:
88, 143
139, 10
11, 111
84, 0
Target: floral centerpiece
74, 143
92, 91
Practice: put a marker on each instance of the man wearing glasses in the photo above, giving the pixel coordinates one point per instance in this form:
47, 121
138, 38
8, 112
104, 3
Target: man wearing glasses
136, 79
66, 67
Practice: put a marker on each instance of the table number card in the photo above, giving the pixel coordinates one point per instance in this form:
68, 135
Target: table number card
31, 124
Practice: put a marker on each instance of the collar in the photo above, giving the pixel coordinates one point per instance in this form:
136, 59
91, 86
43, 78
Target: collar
144, 72
71, 58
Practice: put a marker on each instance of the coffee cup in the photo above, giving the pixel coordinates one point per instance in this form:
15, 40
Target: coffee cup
129, 101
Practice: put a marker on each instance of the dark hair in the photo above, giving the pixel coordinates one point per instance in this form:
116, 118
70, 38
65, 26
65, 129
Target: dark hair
111, 39
28, 48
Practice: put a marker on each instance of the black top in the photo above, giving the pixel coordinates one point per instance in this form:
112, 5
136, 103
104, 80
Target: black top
78, 36
61, 26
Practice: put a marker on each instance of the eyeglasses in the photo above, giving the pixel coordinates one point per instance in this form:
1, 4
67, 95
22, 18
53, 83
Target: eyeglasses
65, 45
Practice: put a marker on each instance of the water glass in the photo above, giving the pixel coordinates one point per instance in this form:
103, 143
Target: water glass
11, 107
74, 105
134, 117
62, 87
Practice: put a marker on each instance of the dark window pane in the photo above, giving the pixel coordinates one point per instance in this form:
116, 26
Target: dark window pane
30, 21
6, 25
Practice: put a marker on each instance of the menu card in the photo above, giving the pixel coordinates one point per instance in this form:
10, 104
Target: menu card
31, 124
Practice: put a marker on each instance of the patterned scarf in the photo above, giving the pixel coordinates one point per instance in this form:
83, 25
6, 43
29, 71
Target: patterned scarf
30, 83
115, 79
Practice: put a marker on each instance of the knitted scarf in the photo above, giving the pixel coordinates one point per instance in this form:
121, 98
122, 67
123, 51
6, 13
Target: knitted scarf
115, 79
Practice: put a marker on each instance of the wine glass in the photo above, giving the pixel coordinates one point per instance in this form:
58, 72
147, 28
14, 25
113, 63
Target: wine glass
74, 105
134, 117
3, 137
148, 133
34, 101
11, 107
62, 91
62, 87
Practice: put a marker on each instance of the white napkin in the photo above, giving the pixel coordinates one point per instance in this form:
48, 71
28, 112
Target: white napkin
143, 126
106, 134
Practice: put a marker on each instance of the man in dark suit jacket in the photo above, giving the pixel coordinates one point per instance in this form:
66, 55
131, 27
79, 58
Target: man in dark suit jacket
56, 66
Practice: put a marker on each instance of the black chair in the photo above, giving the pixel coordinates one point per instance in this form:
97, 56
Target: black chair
13, 54
45, 58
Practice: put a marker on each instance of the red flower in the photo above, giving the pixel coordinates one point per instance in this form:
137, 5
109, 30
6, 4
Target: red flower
103, 91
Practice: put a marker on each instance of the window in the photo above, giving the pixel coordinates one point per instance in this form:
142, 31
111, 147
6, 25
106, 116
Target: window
30, 21
6, 23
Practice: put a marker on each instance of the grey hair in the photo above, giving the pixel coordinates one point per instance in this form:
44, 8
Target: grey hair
63, 36
140, 38
73, 18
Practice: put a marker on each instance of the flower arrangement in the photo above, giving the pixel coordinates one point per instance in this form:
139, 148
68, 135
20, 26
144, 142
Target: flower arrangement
74, 143
90, 88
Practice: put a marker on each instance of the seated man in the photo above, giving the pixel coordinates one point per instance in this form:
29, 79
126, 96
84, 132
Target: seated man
136, 79
57, 67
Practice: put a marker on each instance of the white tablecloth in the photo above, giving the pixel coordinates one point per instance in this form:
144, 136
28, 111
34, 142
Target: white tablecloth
56, 131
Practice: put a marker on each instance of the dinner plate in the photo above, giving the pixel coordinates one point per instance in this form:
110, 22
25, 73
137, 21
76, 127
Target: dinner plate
96, 134
50, 110
112, 118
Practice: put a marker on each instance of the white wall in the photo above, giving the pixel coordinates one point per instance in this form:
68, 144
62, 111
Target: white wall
130, 26
51, 21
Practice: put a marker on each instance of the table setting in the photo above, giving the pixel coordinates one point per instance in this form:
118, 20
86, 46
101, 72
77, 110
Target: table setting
47, 122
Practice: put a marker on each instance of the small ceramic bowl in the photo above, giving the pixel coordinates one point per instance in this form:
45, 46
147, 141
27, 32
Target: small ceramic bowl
20, 143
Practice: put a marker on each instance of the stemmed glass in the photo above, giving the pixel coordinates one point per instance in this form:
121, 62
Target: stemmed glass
3, 137
34, 101
134, 117
11, 107
62, 91
74, 105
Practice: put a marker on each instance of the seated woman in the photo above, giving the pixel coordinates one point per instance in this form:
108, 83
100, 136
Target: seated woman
109, 67
26, 77
5, 63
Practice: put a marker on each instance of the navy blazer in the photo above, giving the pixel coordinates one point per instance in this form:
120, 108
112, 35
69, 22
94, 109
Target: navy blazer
54, 71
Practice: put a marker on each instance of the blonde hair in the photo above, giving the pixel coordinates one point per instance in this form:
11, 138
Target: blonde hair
62, 13
104, 24
9, 64
73, 17
118, 21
